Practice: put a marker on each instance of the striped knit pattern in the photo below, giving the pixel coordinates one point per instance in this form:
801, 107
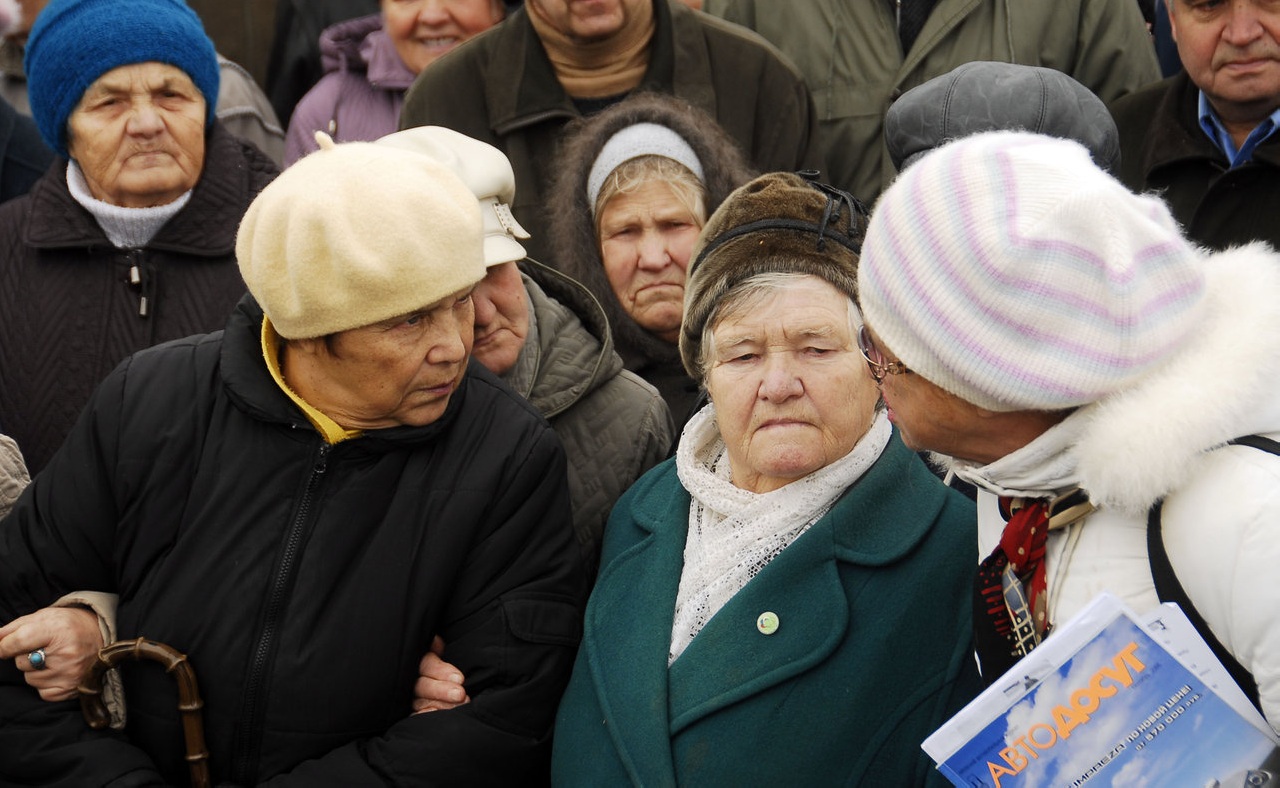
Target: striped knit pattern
1009, 270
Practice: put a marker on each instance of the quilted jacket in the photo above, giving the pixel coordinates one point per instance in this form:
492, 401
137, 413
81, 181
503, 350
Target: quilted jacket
613, 425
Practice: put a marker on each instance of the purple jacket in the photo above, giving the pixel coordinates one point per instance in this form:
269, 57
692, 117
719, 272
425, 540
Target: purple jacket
359, 96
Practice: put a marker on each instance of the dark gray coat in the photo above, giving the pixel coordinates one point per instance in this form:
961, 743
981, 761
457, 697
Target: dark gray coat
68, 311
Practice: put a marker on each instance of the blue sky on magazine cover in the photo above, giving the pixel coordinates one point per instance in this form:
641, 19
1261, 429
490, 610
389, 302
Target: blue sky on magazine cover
1206, 741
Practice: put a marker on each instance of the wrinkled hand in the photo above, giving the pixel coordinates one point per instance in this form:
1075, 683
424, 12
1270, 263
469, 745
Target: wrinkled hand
439, 685
70, 638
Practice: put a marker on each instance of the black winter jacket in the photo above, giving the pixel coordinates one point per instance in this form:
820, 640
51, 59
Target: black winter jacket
1164, 150
23, 155
69, 312
304, 581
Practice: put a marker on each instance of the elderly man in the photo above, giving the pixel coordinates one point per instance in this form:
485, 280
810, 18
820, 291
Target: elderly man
300, 502
859, 56
1205, 139
518, 84
1059, 343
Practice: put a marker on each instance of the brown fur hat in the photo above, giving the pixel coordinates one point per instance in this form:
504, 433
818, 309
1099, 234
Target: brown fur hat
779, 222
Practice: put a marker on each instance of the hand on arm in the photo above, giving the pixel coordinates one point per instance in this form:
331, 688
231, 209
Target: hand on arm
440, 684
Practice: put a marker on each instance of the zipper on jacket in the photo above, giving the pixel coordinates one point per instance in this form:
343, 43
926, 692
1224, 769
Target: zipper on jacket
249, 735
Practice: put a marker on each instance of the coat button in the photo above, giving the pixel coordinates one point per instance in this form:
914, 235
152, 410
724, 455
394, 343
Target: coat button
767, 623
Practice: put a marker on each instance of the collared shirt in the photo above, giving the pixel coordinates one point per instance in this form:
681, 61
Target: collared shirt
1212, 125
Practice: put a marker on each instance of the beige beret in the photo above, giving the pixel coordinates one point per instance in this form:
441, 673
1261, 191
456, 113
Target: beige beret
484, 170
355, 234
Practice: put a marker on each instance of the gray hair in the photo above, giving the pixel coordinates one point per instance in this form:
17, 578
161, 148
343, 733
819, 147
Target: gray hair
748, 294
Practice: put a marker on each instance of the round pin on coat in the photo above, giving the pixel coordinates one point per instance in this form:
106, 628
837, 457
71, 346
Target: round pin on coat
767, 623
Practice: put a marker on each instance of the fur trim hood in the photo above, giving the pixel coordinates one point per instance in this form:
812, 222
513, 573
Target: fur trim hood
1144, 443
569, 222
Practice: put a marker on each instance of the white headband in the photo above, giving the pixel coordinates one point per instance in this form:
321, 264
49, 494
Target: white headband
642, 139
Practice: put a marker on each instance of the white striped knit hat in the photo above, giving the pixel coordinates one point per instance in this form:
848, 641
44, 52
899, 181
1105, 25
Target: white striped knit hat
1007, 269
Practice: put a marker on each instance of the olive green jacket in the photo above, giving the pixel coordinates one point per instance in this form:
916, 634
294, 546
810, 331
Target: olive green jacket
849, 53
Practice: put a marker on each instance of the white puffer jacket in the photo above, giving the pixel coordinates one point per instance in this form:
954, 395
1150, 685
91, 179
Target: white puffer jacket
1164, 438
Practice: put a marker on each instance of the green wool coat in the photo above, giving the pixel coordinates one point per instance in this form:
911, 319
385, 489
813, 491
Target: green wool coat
871, 653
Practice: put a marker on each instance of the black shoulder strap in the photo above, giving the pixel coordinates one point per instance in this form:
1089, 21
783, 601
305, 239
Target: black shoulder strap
1258, 442
1169, 589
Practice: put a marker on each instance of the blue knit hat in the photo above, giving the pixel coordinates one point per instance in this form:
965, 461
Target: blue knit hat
74, 42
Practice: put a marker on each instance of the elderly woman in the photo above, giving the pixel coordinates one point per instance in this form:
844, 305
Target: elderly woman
372, 60
779, 604
636, 185
301, 501
129, 242
536, 329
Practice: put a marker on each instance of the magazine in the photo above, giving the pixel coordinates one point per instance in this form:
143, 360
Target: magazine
1111, 699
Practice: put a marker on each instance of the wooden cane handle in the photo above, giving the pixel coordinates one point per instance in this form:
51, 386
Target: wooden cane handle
190, 705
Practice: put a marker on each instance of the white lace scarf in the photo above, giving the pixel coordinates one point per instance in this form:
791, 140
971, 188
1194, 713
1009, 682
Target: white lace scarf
734, 533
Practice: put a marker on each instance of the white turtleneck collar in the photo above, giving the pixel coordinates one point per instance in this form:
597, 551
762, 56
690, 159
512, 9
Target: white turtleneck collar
126, 228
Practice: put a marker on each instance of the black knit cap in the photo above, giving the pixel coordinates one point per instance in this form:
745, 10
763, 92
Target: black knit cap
780, 222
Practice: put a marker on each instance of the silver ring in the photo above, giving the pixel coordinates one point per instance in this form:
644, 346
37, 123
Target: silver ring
37, 659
